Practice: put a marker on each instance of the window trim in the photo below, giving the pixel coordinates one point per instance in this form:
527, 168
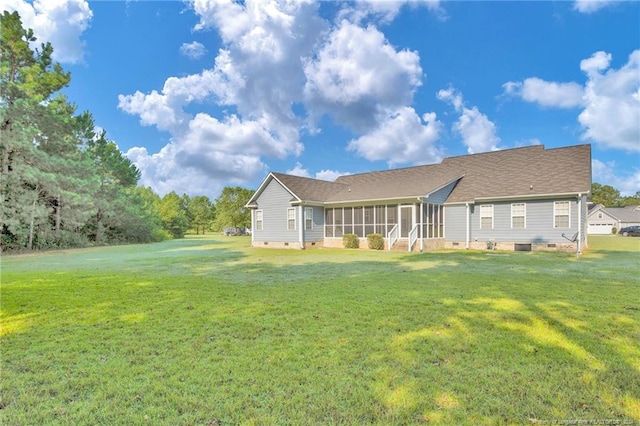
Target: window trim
483, 216
259, 220
523, 216
555, 214
308, 219
291, 219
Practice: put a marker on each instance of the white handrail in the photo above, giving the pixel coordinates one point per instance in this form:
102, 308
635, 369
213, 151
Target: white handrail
393, 236
413, 237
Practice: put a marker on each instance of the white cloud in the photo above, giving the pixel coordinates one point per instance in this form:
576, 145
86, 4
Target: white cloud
610, 100
174, 169
282, 67
604, 173
402, 138
477, 131
60, 22
258, 72
545, 93
328, 175
357, 77
385, 11
590, 6
611, 116
193, 50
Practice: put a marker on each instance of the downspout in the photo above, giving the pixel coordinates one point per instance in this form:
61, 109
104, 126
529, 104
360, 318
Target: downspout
579, 247
301, 232
421, 224
468, 221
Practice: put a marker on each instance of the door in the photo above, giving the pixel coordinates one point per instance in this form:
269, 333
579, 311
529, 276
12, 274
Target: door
406, 221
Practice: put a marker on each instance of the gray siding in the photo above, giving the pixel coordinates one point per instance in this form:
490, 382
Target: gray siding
317, 233
440, 196
454, 223
274, 202
539, 223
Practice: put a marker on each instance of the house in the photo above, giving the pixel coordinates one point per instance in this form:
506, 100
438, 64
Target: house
601, 220
528, 198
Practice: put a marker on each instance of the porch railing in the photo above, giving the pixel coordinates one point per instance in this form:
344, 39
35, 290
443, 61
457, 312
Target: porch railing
393, 236
413, 237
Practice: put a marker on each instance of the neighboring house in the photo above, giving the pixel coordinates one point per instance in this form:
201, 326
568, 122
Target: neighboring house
528, 198
601, 220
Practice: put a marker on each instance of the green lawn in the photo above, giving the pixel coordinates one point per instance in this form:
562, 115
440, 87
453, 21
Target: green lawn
209, 331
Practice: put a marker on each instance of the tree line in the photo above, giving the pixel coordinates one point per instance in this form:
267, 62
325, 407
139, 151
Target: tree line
609, 196
63, 183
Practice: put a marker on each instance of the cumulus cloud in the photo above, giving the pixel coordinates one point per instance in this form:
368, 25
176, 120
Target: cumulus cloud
385, 11
175, 169
357, 77
545, 93
610, 99
605, 173
611, 116
193, 50
477, 131
60, 22
591, 6
328, 175
403, 137
281, 69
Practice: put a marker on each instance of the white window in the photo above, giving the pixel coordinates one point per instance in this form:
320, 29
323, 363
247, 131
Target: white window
518, 215
599, 215
291, 218
308, 218
259, 220
486, 216
561, 214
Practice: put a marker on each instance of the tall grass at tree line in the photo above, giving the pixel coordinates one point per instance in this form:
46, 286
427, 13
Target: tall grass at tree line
206, 331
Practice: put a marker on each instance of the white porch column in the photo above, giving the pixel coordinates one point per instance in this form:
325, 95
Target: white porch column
421, 224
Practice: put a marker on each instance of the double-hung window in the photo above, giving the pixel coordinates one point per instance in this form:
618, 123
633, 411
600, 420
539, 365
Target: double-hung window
308, 218
259, 220
518, 216
561, 214
291, 218
486, 216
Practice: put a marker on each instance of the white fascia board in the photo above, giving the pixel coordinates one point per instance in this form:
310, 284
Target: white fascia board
288, 190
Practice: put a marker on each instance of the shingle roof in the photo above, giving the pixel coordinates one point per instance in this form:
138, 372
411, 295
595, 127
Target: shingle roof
521, 172
531, 171
308, 189
624, 214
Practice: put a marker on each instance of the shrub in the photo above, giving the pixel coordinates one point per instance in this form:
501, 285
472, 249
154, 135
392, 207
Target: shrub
375, 242
614, 230
350, 241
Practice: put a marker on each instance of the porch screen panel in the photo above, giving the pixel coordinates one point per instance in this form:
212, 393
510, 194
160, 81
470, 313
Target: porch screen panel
368, 221
440, 221
392, 216
405, 217
337, 220
328, 220
381, 220
348, 220
358, 228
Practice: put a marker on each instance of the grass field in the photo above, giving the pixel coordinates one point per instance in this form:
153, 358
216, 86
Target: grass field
208, 331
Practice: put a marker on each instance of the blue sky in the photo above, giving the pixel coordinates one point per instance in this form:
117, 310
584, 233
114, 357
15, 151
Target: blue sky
204, 94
